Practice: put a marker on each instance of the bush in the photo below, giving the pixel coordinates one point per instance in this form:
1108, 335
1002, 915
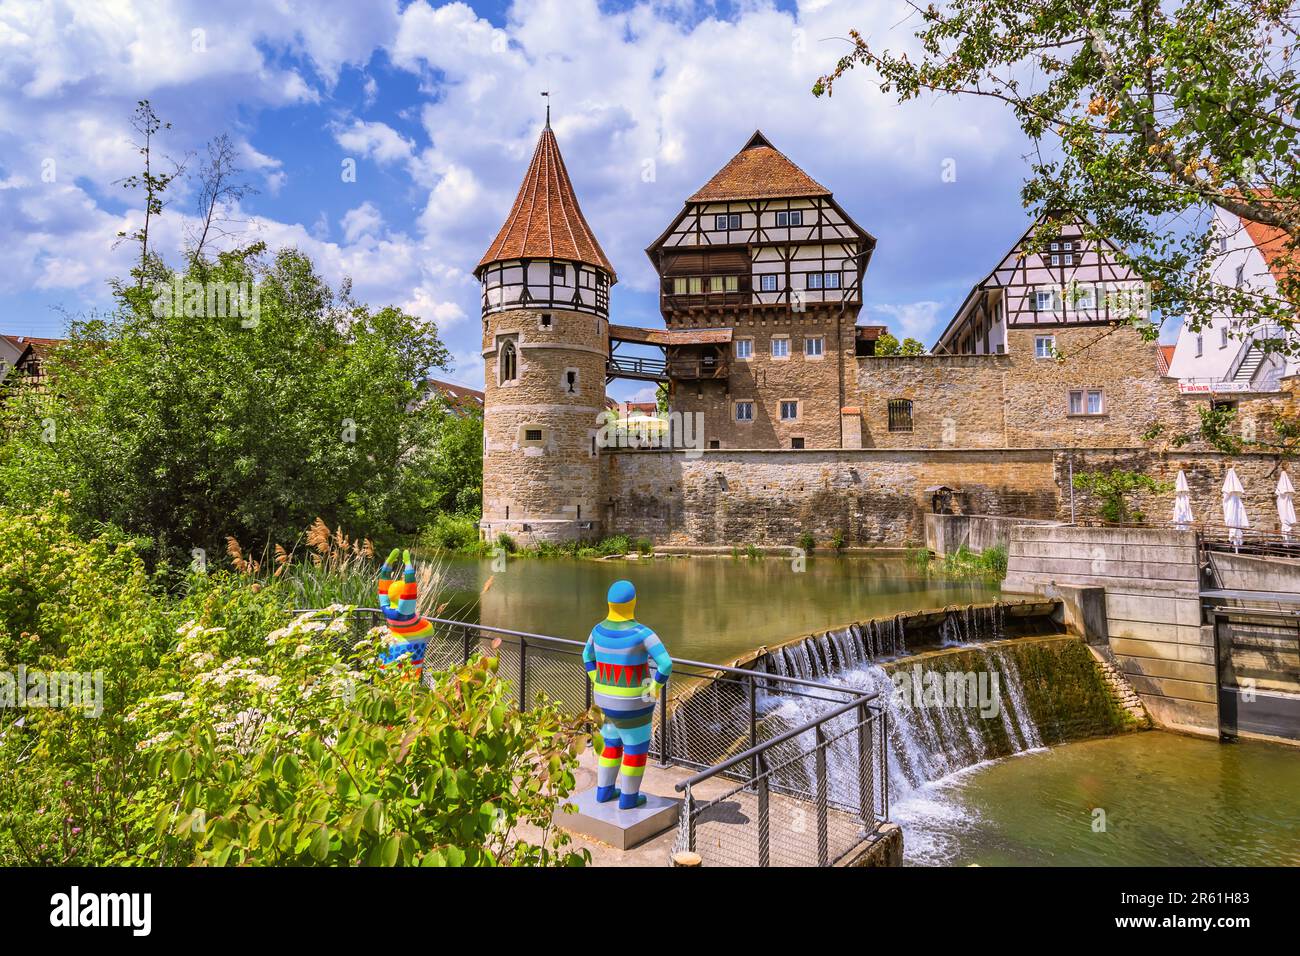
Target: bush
506, 543
243, 736
181, 431
1113, 489
303, 757
807, 542
644, 546
837, 540
451, 532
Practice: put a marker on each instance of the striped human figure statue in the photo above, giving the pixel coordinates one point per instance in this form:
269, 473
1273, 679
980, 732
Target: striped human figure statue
409, 632
617, 659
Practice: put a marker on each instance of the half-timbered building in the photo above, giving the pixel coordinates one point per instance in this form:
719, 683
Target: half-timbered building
760, 285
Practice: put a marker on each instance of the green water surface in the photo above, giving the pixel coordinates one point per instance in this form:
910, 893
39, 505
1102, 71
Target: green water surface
704, 608
1169, 800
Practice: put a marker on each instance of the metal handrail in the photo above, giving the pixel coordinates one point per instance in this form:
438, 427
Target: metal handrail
768, 744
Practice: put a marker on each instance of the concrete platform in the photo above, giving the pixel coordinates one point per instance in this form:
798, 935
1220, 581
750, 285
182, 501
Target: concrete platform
621, 829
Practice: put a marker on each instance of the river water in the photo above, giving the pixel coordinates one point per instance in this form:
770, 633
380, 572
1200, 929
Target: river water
706, 609
1164, 799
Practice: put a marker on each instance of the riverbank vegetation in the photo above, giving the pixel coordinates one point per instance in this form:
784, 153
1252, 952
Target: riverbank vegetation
216, 728
989, 564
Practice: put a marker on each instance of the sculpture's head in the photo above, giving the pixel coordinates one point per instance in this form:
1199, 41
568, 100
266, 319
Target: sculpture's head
622, 601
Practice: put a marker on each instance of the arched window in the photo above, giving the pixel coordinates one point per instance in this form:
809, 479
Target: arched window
509, 362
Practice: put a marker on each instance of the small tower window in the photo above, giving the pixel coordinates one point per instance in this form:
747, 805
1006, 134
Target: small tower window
546, 320
532, 434
558, 271
571, 381
509, 362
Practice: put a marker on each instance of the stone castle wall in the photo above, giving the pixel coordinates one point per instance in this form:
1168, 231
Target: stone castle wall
876, 497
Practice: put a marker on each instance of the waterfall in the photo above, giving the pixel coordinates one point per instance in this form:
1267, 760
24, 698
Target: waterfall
977, 715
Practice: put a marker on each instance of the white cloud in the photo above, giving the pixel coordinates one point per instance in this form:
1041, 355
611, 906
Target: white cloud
374, 140
918, 320
656, 86
364, 220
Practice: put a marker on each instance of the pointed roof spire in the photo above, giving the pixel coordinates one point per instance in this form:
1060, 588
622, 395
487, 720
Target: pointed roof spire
758, 171
546, 221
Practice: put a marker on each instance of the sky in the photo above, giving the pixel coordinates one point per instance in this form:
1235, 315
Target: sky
437, 107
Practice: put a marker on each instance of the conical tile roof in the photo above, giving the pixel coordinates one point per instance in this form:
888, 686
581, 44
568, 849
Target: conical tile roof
546, 221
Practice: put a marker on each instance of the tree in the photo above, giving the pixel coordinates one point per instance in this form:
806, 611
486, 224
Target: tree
183, 423
1113, 489
155, 184
220, 187
887, 344
1143, 117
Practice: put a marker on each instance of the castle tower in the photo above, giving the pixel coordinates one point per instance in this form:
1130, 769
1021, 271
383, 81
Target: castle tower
545, 346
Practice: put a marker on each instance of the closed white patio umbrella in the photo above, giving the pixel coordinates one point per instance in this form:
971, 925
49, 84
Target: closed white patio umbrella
1285, 504
1234, 508
1182, 502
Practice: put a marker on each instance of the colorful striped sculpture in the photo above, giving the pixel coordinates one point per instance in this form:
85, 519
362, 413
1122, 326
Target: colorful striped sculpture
617, 660
409, 633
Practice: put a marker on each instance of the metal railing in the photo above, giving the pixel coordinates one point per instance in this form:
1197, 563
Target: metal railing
817, 751
763, 820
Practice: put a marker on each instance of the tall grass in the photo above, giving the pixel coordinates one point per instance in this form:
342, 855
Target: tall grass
327, 567
990, 564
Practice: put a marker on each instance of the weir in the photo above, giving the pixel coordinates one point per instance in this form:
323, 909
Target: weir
957, 686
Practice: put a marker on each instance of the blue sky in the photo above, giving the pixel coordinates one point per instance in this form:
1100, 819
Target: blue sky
438, 105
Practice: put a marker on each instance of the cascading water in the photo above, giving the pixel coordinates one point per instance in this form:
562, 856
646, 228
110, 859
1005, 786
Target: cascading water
938, 724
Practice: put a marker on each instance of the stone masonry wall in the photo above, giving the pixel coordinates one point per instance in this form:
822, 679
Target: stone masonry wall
731, 497
550, 488
815, 383
1117, 361
957, 400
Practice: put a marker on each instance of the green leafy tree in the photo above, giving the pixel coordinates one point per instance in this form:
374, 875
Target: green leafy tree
1143, 115
1115, 488
888, 344
184, 427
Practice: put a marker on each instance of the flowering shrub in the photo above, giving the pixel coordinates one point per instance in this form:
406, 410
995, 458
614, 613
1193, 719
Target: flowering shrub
229, 736
303, 755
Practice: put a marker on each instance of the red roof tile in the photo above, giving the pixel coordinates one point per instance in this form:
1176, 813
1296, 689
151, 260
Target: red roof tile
1164, 356
546, 222
758, 171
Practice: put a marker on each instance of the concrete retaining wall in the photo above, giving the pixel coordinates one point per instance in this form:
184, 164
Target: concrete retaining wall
947, 534
1153, 609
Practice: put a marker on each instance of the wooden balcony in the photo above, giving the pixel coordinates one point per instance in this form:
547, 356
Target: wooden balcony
692, 369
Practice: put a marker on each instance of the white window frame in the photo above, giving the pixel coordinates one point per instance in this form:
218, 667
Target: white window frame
736, 406
830, 280
1085, 396
767, 282
782, 408
814, 346
784, 354
814, 280
744, 349
1044, 353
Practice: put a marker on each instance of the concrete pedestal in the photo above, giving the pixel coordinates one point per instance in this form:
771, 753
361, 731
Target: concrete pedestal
621, 829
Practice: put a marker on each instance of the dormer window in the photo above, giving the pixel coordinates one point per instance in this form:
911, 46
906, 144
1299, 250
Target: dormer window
727, 221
